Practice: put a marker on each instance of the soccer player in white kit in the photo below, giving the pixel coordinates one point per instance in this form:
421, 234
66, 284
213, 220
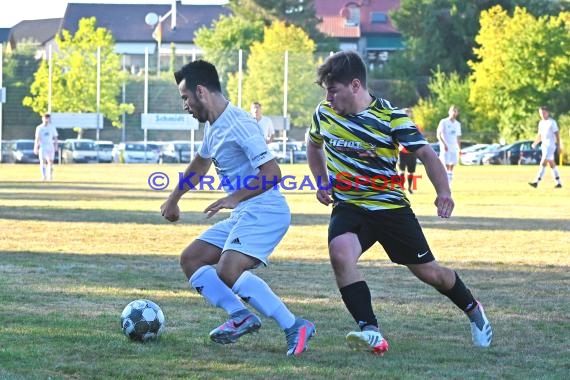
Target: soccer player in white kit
264, 121
218, 263
550, 137
449, 137
45, 146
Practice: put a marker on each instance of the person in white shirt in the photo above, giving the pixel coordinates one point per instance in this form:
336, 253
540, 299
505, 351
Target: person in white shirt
449, 137
45, 146
550, 137
264, 121
218, 263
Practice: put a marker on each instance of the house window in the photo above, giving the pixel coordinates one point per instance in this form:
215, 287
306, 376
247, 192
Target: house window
353, 18
378, 18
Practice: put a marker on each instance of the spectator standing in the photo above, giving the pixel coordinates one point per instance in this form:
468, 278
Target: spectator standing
264, 121
449, 137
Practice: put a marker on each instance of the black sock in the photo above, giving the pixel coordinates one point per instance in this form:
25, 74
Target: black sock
358, 301
460, 295
410, 181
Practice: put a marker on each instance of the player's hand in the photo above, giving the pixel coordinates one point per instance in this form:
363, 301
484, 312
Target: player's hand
170, 211
324, 196
445, 205
226, 202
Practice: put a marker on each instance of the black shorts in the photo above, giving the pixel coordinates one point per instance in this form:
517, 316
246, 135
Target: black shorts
407, 162
397, 230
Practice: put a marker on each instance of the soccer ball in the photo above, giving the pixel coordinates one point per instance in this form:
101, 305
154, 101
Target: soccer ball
142, 320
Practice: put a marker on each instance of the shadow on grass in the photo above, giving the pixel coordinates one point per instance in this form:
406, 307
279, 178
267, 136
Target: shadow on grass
69, 215
40, 213
462, 223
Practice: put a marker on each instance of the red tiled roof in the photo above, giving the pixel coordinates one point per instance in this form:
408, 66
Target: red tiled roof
331, 8
335, 26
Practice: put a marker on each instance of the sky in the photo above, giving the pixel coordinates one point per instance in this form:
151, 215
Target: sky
42, 9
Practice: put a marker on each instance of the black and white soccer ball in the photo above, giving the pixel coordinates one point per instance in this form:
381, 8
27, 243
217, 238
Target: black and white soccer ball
142, 320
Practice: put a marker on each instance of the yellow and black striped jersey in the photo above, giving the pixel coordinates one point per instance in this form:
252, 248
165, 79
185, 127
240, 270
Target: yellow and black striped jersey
362, 152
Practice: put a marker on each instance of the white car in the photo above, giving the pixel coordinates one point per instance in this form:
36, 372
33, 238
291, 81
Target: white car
105, 150
473, 155
79, 150
134, 152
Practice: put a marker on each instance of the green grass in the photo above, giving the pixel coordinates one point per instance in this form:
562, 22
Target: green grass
75, 251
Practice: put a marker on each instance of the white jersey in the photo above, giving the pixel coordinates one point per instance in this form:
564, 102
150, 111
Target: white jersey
236, 146
450, 130
267, 127
547, 129
46, 136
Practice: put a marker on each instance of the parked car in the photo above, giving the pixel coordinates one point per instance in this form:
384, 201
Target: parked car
179, 151
473, 155
21, 151
517, 153
134, 152
295, 152
104, 151
154, 147
79, 150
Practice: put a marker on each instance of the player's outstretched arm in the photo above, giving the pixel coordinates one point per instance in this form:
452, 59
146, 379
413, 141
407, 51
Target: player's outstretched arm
438, 177
267, 179
196, 170
317, 164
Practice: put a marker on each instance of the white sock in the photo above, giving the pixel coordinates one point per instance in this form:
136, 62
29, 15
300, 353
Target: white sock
49, 171
556, 175
207, 282
258, 294
42, 170
449, 176
540, 173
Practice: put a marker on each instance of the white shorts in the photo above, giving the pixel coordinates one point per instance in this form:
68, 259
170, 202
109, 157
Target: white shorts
46, 154
548, 152
253, 229
449, 157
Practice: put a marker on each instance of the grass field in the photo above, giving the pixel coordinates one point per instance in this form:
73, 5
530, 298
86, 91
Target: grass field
75, 251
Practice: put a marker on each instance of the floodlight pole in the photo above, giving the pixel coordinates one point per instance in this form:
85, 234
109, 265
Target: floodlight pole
171, 12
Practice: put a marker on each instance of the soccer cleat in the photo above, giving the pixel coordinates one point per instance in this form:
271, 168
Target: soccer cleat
298, 336
481, 330
367, 340
533, 184
558, 186
239, 324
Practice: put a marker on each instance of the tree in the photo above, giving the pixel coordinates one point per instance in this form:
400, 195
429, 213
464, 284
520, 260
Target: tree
263, 80
522, 63
222, 42
442, 32
445, 90
293, 12
74, 75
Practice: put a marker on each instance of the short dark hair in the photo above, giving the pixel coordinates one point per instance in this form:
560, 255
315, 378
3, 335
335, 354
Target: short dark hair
47, 115
544, 108
200, 73
342, 67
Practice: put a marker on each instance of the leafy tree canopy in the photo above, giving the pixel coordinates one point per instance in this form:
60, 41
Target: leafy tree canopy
265, 74
442, 32
222, 42
293, 12
74, 75
522, 62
